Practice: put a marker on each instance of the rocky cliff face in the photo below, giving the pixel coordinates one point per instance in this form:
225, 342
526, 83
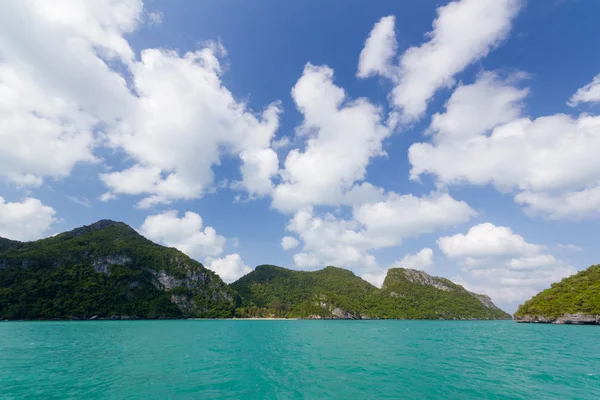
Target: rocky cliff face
103, 264
414, 294
484, 299
423, 278
574, 319
334, 293
114, 270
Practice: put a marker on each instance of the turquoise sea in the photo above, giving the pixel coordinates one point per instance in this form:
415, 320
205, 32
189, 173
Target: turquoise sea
298, 360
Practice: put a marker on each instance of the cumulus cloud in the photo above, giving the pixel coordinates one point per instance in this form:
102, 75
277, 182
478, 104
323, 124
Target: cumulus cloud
551, 161
502, 264
590, 93
379, 50
573, 205
474, 109
230, 268
169, 113
375, 277
289, 242
486, 240
187, 234
27, 220
106, 197
51, 105
329, 240
463, 32
423, 260
343, 135
181, 123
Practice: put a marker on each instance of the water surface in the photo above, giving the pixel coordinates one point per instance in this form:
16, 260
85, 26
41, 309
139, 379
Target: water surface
298, 360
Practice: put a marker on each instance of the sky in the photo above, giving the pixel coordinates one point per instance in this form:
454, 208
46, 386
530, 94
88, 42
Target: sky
460, 138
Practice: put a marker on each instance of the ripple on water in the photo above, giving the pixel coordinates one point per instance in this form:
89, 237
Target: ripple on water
297, 360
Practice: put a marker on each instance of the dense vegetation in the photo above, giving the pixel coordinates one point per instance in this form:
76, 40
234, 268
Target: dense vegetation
271, 291
409, 294
279, 292
107, 269
579, 293
68, 276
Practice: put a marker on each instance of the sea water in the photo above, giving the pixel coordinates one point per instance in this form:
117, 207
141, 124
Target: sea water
298, 360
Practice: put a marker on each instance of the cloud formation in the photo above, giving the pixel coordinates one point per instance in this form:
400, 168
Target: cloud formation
463, 32
189, 235
27, 220
342, 136
348, 243
550, 161
502, 264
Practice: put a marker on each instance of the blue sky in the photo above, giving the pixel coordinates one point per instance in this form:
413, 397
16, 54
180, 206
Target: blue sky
455, 137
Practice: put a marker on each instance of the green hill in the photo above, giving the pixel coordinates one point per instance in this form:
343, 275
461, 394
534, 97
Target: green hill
575, 299
271, 291
412, 294
106, 269
279, 292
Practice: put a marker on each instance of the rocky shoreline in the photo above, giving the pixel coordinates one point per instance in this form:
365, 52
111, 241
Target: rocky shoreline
567, 319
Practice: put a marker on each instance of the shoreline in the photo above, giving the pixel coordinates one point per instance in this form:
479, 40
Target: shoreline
252, 319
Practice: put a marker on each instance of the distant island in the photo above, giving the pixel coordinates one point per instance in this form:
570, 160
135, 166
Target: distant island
271, 291
108, 271
574, 300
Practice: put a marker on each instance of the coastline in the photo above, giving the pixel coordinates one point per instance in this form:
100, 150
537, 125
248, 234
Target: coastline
566, 319
261, 319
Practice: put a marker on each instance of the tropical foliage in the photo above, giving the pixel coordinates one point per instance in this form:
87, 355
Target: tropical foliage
579, 293
55, 278
271, 291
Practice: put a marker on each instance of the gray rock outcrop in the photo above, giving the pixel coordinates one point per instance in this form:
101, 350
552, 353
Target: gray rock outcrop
574, 319
423, 278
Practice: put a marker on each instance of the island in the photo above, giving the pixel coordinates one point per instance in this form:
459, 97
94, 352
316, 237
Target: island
107, 270
574, 300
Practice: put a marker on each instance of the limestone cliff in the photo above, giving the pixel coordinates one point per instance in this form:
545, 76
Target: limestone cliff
106, 269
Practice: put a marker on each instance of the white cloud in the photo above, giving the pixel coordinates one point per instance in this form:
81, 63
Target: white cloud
328, 240
570, 247
258, 167
473, 110
375, 277
189, 235
590, 93
380, 48
182, 122
82, 201
331, 241
289, 242
26, 220
155, 17
575, 205
108, 196
550, 160
401, 216
423, 260
500, 263
463, 32
486, 240
185, 234
342, 137
174, 124
50, 105
230, 268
